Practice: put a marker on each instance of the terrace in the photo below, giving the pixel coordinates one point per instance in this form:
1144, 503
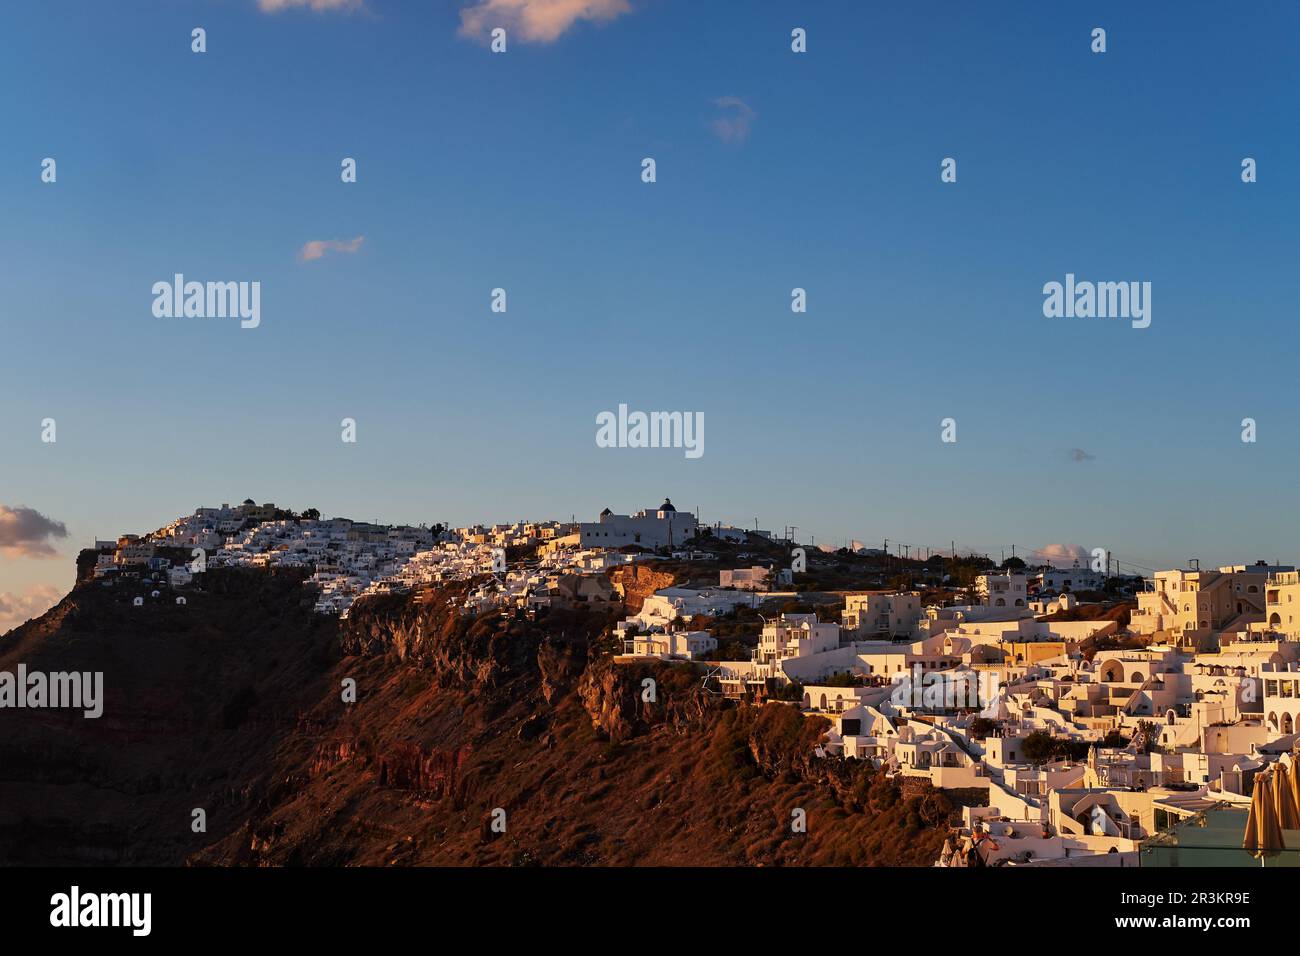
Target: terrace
1213, 837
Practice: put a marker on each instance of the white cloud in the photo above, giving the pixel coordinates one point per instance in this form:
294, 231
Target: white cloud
318, 247
1063, 554
536, 21
734, 124
16, 609
316, 6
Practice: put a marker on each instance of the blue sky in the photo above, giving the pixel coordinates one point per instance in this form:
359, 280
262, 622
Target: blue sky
522, 170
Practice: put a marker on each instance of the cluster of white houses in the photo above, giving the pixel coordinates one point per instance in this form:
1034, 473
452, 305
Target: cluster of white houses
349, 559
1145, 726
1081, 757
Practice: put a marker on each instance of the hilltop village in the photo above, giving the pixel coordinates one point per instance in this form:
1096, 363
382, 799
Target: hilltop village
1077, 714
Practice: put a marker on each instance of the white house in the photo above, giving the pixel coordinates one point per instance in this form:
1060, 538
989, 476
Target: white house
745, 579
674, 645
881, 613
1075, 578
663, 527
1002, 589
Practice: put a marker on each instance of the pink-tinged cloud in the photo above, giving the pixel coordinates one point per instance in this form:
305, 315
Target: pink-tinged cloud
536, 21
736, 121
1063, 555
26, 533
18, 609
318, 247
316, 6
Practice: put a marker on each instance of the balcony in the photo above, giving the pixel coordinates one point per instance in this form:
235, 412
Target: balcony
1213, 838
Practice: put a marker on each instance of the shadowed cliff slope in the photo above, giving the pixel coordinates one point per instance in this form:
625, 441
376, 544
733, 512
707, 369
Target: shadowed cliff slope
233, 704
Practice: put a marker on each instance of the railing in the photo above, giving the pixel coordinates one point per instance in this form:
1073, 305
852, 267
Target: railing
1213, 838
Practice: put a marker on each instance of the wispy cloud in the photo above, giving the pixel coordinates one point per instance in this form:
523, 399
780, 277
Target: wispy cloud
1062, 554
17, 609
26, 533
736, 121
1078, 454
318, 247
317, 6
536, 21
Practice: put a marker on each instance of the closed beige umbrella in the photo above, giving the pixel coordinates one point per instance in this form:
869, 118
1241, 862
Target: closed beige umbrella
1295, 781
1284, 802
1262, 832
1252, 820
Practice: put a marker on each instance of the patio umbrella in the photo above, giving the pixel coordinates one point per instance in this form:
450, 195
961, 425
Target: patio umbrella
1288, 813
1295, 780
1262, 832
945, 855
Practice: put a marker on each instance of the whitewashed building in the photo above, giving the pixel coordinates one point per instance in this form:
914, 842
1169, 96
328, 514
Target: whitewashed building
663, 527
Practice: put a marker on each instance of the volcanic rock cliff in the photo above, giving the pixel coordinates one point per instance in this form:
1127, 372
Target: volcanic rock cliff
411, 734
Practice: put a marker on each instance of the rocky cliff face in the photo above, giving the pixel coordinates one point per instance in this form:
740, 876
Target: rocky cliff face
197, 701
627, 701
409, 734
639, 581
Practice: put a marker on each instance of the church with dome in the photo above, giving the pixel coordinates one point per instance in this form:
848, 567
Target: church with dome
650, 528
